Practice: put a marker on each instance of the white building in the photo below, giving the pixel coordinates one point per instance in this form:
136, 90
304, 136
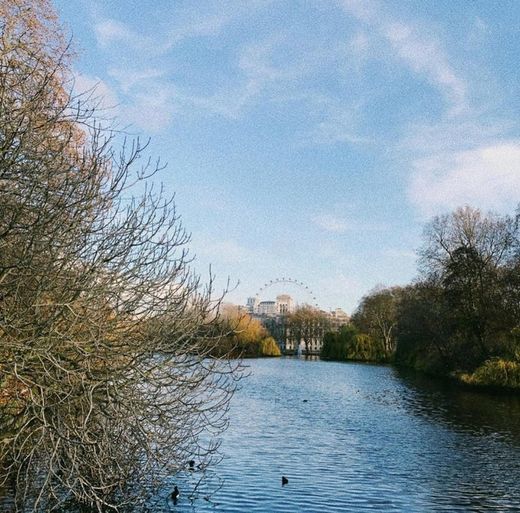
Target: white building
267, 308
339, 318
252, 304
284, 304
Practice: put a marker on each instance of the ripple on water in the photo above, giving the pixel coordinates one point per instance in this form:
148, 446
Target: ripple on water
364, 439
368, 438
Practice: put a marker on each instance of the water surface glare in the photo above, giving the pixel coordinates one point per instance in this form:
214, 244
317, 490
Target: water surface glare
353, 437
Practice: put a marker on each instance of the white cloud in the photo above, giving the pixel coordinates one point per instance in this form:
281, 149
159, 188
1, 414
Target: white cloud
331, 223
109, 31
97, 92
339, 126
335, 224
413, 46
487, 177
465, 157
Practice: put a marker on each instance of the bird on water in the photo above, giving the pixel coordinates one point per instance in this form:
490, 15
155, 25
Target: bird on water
284, 481
175, 494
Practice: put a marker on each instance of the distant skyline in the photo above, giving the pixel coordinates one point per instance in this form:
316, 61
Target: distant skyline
312, 139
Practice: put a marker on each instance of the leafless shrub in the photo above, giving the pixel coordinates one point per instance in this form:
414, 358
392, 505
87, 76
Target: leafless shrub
106, 384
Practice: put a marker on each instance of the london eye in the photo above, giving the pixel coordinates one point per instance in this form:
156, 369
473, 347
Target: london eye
300, 285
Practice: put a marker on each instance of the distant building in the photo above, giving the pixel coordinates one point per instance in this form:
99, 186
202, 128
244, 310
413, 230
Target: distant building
267, 308
284, 304
252, 304
274, 316
338, 318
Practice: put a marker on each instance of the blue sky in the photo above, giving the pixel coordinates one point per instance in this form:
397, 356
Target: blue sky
312, 139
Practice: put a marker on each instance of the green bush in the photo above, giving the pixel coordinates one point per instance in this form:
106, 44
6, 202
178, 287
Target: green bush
348, 344
364, 348
495, 372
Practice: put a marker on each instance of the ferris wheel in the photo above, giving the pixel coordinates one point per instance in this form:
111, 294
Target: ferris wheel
299, 284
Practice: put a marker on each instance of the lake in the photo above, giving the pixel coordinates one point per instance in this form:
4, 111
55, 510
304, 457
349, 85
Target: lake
355, 437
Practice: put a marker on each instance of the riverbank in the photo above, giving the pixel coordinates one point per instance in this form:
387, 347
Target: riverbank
495, 375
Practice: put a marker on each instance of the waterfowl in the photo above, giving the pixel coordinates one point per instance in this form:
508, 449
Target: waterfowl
175, 494
284, 481
191, 463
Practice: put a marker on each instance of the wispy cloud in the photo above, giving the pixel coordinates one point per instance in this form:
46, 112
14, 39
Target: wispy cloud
425, 56
420, 51
487, 177
464, 157
109, 31
208, 20
149, 97
274, 68
336, 224
339, 125
331, 223
98, 93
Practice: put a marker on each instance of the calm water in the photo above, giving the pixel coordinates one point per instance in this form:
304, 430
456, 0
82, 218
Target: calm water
353, 438
369, 438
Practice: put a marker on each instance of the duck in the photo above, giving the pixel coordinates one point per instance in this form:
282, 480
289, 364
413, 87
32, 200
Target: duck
191, 464
284, 481
175, 494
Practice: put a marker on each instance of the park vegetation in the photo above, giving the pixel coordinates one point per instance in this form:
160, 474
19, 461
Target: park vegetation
461, 317
245, 337
107, 376
306, 325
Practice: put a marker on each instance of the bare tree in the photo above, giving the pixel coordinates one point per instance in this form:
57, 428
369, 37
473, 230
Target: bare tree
107, 384
308, 325
491, 236
472, 256
377, 315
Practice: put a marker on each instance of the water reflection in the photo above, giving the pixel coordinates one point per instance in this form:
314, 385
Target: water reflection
482, 413
353, 438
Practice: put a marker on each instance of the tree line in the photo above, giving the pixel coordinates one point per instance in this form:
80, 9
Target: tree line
460, 317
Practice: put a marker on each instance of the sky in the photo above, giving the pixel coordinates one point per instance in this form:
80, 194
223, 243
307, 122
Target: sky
312, 139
